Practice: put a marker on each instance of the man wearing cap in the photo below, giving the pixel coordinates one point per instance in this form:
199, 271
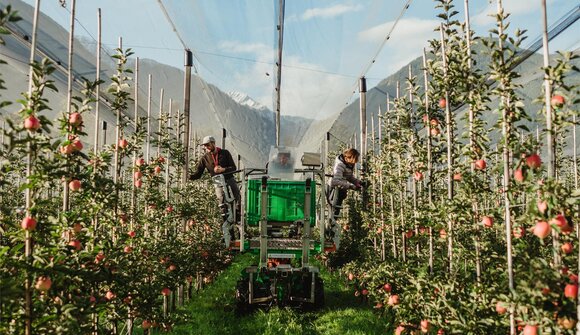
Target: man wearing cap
217, 161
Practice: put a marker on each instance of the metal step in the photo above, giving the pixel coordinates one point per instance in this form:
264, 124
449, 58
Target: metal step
281, 243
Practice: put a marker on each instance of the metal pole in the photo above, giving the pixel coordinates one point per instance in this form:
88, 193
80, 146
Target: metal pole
27, 193
224, 134
65, 193
363, 135
449, 121
280, 27
117, 135
159, 121
429, 157
98, 86
548, 94
148, 140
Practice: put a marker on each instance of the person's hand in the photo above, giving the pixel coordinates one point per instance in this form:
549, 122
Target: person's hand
218, 169
358, 185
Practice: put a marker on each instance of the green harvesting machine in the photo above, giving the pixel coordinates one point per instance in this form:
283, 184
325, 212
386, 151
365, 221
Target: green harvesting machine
283, 221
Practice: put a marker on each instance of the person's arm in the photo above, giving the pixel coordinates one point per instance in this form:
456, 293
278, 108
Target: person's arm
198, 170
228, 162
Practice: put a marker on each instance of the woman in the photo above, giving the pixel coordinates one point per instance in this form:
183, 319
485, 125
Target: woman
343, 178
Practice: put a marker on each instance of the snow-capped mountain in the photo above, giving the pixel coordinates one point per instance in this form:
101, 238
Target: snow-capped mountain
244, 100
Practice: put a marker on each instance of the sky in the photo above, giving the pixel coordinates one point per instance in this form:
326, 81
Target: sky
328, 44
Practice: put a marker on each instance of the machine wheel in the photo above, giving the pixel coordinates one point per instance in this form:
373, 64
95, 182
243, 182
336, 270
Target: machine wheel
242, 296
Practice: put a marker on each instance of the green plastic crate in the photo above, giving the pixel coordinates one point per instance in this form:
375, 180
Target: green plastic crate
285, 201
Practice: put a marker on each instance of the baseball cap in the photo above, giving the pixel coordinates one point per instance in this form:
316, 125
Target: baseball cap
207, 140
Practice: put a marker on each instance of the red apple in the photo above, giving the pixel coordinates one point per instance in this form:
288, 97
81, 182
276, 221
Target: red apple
100, 256
165, 291
480, 164
67, 149
387, 287
137, 175
557, 101
171, 267
74, 185
425, 326
75, 119
32, 123
28, 223
110, 295
393, 300
138, 183
169, 209
157, 169
542, 206
350, 276
567, 248
457, 177
418, 176
559, 221
499, 308
519, 175
442, 233
573, 278
365, 292
77, 145
542, 229
442, 103
425, 118
533, 161
435, 131
530, 330
487, 221
139, 161
76, 244
43, 283
132, 233
123, 143
571, 291
128, 249
146, 324
161, 159
519, 232
409, 234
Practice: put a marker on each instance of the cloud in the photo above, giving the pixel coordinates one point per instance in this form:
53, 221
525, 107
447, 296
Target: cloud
514, 7
406, 43
329, 12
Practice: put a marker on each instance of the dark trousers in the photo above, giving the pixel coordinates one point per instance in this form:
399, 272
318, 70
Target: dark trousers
336, 197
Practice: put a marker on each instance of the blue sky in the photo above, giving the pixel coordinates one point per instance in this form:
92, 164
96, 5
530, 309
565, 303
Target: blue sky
327, 44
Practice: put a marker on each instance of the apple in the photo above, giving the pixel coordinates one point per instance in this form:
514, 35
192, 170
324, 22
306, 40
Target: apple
74, 185
567, 248
77, 145
161, 159
519, 175
128, 249
434, 123
28, 223
409, 234
132, 233
571, 291
92, 299
441, 332
157, 169
100, 256
123, 143
418, 176
110, 295
75, 119
557, 101
393, 300
425, 326
171, 267
43, 283
365, 292
573, 278
442, 233
442, 103
76, 244
77, 227
32, 123
480, 164
165, 291
350, 276
519, 232
387, 287
530, 330
67, 149
546, 290
146, 324
457, 177
138, 183
487, 221
399, 330
500, 308
169, 209
559, 221
379, 305
137, 175
533, 161
542, 229
434, 131
566, 322
139, 161
425, 118
542, 206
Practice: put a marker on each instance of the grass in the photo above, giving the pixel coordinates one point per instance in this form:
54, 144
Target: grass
211, 311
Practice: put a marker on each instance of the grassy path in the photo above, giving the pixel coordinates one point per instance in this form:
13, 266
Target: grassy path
212, 311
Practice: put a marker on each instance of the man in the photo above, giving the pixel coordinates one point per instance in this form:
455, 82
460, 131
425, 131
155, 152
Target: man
218, 161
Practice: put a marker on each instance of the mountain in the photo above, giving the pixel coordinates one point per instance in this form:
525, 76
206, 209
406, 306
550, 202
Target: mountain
244, 100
